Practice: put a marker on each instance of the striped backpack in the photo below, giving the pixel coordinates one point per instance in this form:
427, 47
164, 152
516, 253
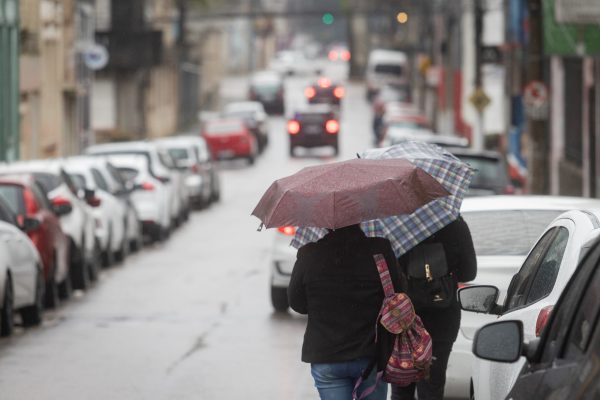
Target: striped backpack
411, 356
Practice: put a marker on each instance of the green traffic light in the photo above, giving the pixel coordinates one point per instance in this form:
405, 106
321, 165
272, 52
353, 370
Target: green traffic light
327, 18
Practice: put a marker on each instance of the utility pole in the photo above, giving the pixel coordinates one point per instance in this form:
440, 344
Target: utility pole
478, 99
538, 181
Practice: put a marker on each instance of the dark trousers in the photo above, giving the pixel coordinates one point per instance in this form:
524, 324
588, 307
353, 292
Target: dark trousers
432, 388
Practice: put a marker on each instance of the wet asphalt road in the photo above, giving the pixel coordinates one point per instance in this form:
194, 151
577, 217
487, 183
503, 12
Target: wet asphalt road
190, 318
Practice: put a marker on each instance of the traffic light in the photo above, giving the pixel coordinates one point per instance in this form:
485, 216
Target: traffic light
327, 18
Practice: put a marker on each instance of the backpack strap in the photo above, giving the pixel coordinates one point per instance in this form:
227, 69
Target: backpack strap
384, 274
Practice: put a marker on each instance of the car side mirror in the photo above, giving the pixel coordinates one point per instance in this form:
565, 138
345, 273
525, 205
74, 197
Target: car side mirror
499, 341
479, 299
61, 206
29, 224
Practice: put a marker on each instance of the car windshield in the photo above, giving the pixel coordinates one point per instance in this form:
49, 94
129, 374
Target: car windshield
178, 153
493, 231
128, 173
79, 180
13, 196
390, 69
48, 181
224, 128
488, 171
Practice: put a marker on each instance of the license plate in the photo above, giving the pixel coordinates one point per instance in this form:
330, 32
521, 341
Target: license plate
313, 129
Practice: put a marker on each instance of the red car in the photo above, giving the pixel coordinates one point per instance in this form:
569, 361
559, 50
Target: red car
27, 199
230, 138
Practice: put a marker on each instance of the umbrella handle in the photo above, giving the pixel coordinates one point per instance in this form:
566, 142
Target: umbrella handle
260, 227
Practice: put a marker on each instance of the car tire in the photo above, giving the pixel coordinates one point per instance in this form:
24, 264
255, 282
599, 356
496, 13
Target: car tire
121, 254
108, 258
215, 196
32, 315
336, 149
80, 273
251, 160
279, 299
137, 243
6, 313
65, 288
51, 299
94, 263
291, 151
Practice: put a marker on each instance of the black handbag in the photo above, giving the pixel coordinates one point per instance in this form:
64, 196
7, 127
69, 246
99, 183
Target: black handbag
429, 282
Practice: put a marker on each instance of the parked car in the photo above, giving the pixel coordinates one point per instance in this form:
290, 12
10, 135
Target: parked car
230, 138
160, 165
324, 91
191, 154
563, 363
150, 195
504, 229
255, 117
532, 293
26, 199
76, 219
491, 172
314, 126
109, 213
21, 274
267, 87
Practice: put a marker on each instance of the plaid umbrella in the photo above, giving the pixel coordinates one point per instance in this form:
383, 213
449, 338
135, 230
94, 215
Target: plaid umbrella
408, 230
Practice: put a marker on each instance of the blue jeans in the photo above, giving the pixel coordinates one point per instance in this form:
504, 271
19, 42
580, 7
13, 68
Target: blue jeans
335, 381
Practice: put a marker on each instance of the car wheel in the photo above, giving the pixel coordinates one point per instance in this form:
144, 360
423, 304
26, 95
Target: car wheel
32, 315
216, 194
51, 293
279, 299
94, 263
137, 243
108, 258
80, 273
251, 159
6, 313
121, 254
65, 288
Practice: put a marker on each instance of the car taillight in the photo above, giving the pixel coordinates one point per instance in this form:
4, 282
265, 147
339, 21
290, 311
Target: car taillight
332, 126
338, 92
30, 204
333, 55
345, 55
542, 320
60, 201
324, 83
287, 230
293, 127
148, 186
310, 92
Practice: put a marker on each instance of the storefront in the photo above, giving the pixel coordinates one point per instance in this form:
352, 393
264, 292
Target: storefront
9, 80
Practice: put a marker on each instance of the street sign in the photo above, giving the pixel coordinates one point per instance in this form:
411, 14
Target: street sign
479, 99
537, 100
585, 12
95, 57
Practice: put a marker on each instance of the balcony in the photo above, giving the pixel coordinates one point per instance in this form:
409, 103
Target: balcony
132, 50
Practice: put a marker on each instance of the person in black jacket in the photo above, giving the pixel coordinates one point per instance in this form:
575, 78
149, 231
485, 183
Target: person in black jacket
335, 281
442, 324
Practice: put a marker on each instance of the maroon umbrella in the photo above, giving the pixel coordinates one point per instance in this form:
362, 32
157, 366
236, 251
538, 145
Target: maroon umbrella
344, 193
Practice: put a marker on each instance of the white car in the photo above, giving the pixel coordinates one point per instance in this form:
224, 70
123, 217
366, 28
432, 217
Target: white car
532, 292
21, 275
76, 221
293, 62
150, 195
503, 228
110, 214
283, 258
192, 156
160, 165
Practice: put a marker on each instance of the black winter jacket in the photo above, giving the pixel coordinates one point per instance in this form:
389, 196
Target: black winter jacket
335, 281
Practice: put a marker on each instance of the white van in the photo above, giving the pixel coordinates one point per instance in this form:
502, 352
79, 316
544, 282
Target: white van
386, 67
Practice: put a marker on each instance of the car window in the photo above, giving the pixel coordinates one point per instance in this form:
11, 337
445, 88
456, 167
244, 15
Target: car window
129, 174
165, 159
99, 180
178, 153
493, 231
13, 197
48, 181
546, 274
6, 214
40, 196
487, 170
70, 184
392, 69
79, 180
517, 291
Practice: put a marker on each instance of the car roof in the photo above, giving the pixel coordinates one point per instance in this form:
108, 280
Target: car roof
243, 106
382, 55
24, 179
122, 146
182, 140
528, 202
51, 166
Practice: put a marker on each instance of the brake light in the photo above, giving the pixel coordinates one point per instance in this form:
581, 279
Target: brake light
287, 230
324, 83
31, 206
332, 126
293, 127
542, 320
60, 201
333, 55
310, 92
338, 92
346, 55
148, 186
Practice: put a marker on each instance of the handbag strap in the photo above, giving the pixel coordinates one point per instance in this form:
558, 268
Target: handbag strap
384, 274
